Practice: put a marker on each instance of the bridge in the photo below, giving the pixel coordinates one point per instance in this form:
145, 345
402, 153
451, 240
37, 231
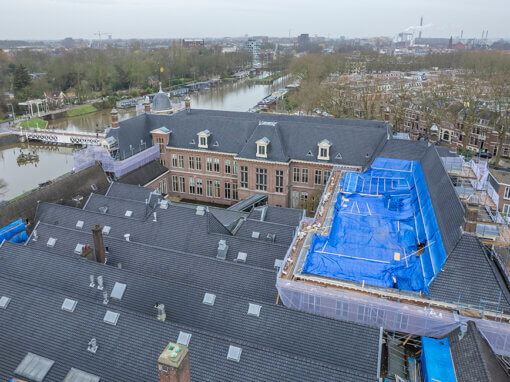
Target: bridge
62, 137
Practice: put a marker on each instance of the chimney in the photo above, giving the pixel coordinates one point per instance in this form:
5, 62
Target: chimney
161, 311
97, 233
173, 364
115, 119
470, 217
147, 105
87, 252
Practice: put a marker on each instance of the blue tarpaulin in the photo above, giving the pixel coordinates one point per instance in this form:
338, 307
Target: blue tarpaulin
381, 218
14, 232
436, 360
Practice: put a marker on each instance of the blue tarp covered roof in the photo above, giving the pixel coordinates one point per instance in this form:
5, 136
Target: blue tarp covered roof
436, 361
381, 218
14, 232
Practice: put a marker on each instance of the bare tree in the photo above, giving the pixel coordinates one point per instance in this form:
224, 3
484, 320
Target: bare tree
500, 89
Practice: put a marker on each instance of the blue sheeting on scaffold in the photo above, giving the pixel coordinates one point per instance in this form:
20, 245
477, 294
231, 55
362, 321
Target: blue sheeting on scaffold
436, 360
380, 218
14, 232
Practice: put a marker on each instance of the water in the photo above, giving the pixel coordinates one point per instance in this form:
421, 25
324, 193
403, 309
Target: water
55, 161
21, 177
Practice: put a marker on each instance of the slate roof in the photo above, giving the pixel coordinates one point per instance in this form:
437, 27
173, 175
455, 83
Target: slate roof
145, 174
34, 322
284, 234
353, 351
117, 206
444, 152
129, 192
353, 141
226, 216
280, 215
470, 275
502, 177
229, 277
177, 228
130, 135
473, 358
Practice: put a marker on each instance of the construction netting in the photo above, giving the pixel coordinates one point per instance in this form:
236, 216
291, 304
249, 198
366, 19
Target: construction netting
87, 157
14, 232
384, 231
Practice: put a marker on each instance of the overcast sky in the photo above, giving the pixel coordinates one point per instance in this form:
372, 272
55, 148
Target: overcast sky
56, 19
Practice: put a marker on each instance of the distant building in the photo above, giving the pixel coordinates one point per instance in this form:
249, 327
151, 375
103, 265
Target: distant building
190, 44
252, 46
303, 40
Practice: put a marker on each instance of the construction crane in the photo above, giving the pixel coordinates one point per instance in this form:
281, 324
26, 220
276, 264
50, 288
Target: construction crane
101, 34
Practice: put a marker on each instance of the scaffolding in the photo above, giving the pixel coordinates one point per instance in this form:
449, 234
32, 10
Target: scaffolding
87, 157
392, 309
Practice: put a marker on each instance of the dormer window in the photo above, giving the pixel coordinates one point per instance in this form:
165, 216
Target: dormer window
203, 138
262, 147
324, 146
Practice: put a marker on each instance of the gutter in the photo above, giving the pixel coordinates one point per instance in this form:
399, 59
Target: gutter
379, 355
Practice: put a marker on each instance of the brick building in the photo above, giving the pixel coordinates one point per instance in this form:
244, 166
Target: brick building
222, 157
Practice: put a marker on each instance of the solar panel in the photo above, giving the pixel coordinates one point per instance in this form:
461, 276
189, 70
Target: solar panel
209, 299
34, 367
68, 305
234, 353
118, 291
111, 317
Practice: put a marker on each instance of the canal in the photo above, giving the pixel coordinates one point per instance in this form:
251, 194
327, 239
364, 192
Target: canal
55, 161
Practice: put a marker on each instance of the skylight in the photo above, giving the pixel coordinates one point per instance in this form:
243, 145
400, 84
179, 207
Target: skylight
209, 299
78, 249
234, 353
34, 367
255, 235
68, 305
184, 338
79, 224
76, 375
106, 230
128, 213
111, 317
4, 301
254, 310
241, 257
118, 291
51, 242
278, 263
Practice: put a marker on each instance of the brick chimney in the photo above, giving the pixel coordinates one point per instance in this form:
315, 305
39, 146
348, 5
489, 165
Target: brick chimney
470, 217
147, 105
87, 252
187, 104
173, 364
115, 119
97, 233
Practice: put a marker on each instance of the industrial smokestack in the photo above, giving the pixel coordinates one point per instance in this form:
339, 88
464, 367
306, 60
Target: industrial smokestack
97, 233
421, 25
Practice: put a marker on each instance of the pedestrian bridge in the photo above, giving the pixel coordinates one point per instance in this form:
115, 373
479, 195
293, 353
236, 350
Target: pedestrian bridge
62, 137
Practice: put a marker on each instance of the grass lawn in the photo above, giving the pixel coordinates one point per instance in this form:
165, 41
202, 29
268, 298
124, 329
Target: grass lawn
34, 123
81, 111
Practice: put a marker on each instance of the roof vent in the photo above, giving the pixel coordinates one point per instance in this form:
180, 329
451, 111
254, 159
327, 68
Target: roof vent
35, 236
234, 353
309, 154
278, 264
127, 236
222, 250
79, 224
241, 257
164, 204
209, 299
106, 230
34, 367
93, 186
68, 305
200, 210
184, 338
267, 123
118, 291
254, 310
255, 235
51, 242
76, 375
271, 237
79, 249
338, 156
111, 317
103, 209
128, 213
92, 346
4, 301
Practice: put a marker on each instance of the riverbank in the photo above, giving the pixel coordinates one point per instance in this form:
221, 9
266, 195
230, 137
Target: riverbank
268, 79
8, 140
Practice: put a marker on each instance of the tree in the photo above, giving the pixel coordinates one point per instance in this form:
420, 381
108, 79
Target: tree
500, 91
21, 77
